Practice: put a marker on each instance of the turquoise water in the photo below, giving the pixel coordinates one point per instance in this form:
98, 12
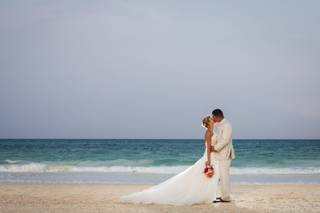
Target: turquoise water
130, 160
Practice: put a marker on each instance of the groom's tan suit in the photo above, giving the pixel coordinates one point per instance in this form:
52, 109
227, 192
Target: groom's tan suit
223, 152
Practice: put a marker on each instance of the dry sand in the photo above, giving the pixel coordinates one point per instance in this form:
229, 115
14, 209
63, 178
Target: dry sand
92, 198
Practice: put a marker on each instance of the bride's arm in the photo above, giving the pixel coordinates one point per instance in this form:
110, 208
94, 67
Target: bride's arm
208, 144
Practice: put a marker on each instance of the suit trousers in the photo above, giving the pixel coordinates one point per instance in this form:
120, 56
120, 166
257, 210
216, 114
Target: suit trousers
224, 180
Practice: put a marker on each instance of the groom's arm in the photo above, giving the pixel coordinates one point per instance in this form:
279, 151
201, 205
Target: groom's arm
224, 139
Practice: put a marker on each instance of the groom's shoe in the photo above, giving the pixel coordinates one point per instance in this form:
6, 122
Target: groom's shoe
219, 199
225, 201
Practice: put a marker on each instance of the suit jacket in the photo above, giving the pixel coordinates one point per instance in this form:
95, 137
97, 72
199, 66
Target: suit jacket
222, 142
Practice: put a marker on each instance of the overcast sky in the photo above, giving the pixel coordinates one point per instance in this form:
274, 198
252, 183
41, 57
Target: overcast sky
153, 69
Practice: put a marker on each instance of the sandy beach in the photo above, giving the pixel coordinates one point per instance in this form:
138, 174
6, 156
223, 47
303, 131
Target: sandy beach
105, 198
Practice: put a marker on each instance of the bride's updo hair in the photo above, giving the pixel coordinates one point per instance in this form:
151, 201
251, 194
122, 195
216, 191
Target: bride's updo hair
206, 121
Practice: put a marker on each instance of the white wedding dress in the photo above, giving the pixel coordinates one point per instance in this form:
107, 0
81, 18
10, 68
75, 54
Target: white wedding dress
186, 188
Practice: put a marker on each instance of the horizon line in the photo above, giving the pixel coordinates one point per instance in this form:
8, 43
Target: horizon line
51, 138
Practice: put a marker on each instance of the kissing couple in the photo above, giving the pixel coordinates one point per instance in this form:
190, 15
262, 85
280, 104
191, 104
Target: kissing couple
207, 180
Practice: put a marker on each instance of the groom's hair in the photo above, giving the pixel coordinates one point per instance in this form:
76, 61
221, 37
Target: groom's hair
218, 113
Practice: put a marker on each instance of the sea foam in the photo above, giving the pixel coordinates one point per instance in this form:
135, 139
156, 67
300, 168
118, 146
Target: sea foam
42, 167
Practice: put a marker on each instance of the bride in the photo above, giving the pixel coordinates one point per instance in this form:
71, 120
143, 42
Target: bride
192, 186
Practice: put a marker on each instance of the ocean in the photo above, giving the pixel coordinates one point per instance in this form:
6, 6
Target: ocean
150, 161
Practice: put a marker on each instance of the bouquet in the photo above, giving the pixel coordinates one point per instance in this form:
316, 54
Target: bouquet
208, 171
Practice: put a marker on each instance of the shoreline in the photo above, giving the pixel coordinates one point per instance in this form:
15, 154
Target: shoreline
94, 197
146, 184
133, 178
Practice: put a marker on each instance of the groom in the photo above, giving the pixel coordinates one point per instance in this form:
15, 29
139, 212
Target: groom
223, 152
